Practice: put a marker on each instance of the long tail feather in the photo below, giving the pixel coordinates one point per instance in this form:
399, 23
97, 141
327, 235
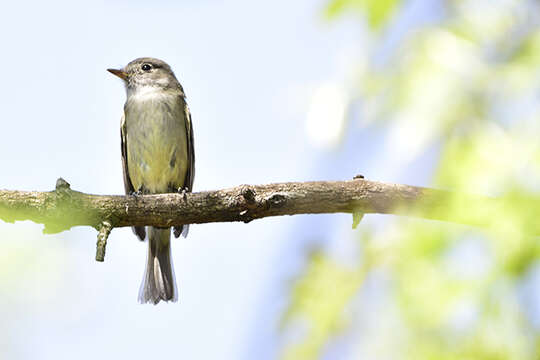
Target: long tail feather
158, 282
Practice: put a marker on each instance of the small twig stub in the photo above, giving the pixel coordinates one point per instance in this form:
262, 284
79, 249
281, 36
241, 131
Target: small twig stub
103, 234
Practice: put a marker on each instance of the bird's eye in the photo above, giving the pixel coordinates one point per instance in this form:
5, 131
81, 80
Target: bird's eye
146, 67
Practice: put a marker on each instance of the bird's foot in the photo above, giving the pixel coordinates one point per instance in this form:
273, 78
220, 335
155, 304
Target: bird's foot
183, 191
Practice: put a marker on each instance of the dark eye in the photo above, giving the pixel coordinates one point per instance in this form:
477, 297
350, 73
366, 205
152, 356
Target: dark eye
146, 67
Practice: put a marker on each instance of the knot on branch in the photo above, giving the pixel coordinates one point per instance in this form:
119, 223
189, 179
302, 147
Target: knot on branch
59, 202
276, 201
251, 207
248, 194
62, 184
62, 189
248, 201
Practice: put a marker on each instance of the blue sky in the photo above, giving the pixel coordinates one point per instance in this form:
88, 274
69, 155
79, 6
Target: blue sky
249, 69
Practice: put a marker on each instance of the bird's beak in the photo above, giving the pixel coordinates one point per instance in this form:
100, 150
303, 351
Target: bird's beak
120, 73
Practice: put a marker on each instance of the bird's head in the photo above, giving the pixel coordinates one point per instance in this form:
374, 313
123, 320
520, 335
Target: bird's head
147, 72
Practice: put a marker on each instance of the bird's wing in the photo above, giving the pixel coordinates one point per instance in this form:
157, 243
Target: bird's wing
190, 173
128, 186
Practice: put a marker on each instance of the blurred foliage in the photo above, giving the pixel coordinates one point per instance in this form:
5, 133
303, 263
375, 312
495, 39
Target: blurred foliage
376, 12
321, 295
468, 85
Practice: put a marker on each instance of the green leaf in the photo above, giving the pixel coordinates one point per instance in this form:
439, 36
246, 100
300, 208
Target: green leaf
377, 12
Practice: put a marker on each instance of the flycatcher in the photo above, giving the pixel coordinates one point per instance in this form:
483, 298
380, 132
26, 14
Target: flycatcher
157, 157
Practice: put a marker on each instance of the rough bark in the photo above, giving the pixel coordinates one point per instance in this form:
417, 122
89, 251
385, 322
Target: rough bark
64, 208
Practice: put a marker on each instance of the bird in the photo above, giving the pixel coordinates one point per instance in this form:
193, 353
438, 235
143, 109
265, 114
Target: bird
157, 157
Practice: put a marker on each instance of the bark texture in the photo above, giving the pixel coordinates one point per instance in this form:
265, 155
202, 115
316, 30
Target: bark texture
64, 208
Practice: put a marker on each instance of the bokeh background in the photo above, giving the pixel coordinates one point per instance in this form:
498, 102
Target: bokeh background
433, 93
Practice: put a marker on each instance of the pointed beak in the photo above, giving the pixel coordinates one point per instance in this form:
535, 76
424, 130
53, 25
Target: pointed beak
120, 73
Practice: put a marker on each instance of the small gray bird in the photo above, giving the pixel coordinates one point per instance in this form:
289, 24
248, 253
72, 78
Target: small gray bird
157, 157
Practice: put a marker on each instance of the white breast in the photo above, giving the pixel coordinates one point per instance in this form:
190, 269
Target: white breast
147, 92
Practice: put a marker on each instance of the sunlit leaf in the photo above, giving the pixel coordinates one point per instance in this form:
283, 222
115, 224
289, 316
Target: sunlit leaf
377, 12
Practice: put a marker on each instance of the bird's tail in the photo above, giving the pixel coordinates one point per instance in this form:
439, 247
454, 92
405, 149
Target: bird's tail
158, 281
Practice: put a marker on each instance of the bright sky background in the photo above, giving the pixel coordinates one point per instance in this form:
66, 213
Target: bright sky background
249, 70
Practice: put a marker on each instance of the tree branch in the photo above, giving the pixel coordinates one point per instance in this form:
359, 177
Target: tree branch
64, 208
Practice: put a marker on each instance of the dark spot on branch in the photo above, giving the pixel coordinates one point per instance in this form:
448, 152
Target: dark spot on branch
249, 194
276, 201
245, 216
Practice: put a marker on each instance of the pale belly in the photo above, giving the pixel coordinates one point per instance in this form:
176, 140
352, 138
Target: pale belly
156, 147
